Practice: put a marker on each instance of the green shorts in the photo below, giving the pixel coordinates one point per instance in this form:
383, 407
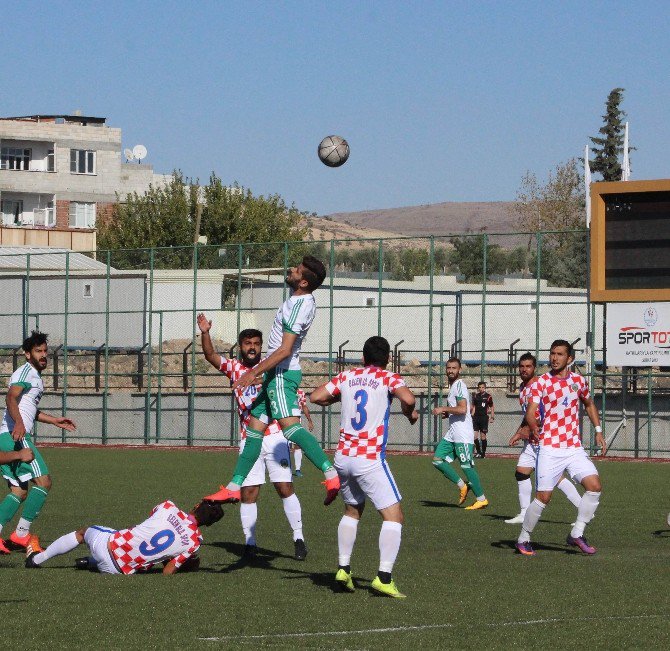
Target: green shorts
278, 397
19, 472
450, 451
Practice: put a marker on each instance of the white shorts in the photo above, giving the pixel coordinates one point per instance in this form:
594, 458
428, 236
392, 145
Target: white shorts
97, 537
275, 457
361, 478
528, 456
553, 462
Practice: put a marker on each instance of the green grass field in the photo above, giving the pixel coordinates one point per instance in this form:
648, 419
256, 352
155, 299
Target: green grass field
466, 587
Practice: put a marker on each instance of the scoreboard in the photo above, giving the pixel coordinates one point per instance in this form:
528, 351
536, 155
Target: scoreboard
630, 241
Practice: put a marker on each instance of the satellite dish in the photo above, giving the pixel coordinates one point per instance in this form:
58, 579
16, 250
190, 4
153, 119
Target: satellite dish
128, 153
139, 152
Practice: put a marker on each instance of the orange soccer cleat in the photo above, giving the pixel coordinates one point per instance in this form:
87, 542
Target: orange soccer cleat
332, 489
223, 496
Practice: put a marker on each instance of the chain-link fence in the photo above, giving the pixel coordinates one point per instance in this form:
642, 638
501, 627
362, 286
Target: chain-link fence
126, 363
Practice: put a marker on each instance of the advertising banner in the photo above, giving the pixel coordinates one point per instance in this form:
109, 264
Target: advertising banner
638, 334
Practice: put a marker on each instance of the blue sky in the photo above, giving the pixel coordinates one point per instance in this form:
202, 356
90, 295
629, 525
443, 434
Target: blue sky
440, 101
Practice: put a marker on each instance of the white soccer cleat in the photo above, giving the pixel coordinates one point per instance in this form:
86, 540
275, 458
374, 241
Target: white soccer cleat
517, 519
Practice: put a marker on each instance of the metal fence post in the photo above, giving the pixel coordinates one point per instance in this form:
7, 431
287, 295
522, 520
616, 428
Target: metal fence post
431, 273
147, 399
26, 306
649, 410
105, 394
191, 397
65, 343
485, 242
159, 393
538, 267
331, 291
239, 285
380, 287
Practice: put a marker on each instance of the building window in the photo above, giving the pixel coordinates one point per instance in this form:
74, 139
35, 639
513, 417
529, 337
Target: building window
51, 161
12, 212
82, 161
532, 306
82, 214
88, 290
14, 158
371, 302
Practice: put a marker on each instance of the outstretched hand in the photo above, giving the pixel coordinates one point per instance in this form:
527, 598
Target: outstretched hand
203, 324
245, 381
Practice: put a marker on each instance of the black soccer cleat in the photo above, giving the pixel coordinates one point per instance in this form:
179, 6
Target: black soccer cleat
30, 563
300, 550
82, 563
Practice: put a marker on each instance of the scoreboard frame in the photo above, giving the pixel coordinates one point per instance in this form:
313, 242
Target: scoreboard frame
598, 291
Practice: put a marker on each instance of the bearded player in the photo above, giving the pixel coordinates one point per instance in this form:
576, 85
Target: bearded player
275, 453
281, 375
366, 394
23, 398
528, 456
560, 448
169, 536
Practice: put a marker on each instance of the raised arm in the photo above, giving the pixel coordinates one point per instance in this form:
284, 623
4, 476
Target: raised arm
206, 342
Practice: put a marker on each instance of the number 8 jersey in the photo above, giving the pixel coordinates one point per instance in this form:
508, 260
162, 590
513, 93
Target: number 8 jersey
168, 533
366, 404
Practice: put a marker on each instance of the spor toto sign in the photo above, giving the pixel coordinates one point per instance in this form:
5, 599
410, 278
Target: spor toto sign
638, 334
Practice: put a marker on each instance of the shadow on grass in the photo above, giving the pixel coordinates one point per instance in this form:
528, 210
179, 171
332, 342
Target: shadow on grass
661, 533
510, 544
495, 516
262, 560
434, 504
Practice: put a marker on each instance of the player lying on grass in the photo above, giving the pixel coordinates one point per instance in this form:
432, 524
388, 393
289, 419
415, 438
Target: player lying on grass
366, 394
528, 456
275, 453
281, 375
560, 448
23, 397
167, 536
459, 440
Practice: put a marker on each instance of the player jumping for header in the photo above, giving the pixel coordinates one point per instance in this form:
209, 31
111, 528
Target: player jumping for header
167, 536
560, 449
528, 457
459, 440
23, 397
280, 370
275, 453
366, 395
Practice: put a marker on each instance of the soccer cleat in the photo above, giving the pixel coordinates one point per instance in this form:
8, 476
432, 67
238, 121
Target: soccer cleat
250, 552
581, 543
345, 580
525, 548
3, 548
387, 589
297, 473
223, 496
517, 519
81, 563
33, 546
300, 553
332, 489
479, 504
463, 493
20, 542
30, 559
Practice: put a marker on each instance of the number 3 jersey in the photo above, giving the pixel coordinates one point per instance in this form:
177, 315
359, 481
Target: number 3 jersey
366, 395
168, 533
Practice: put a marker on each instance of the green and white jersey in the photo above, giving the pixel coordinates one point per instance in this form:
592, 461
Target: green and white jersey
460, 427
30, 381
295, 315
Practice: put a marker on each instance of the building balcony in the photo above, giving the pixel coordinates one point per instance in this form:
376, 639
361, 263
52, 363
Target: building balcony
27, 155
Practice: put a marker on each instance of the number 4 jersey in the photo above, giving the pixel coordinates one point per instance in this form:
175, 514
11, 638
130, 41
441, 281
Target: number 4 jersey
168, 533
366, 403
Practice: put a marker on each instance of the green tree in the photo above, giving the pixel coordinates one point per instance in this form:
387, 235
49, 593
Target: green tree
609, 145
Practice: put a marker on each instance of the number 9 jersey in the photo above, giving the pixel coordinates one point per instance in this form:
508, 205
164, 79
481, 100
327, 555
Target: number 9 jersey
168, 533
366, 395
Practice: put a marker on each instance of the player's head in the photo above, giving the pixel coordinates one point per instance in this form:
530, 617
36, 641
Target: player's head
527, 365
35, 347
207, 513
561, 355
308, 275
481, 386
250, 342
376, 352
453, 369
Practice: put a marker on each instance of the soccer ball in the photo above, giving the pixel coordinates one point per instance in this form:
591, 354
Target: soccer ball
333, 151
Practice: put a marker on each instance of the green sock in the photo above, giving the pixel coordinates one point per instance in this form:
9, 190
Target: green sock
8, 508
249, 456
446, 469
301, 437
34, 502
473, 480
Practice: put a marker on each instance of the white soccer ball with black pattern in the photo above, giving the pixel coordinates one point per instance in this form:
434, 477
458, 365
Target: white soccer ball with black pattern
333, 151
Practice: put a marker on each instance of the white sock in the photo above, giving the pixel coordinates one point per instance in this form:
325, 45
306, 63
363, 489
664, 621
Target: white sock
23, 527
460, 483
585, 512
293, 515
249, 516
297, 458
570, 491
61, 545
232, 486
389, 545
346, 537
330, 473
532, 517
525, 493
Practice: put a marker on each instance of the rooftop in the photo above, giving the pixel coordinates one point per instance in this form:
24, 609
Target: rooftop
15, 258
82, 120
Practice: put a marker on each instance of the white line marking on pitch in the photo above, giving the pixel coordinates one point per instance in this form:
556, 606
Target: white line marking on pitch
424, 627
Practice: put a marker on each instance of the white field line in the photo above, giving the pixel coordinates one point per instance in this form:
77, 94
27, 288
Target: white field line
425, 627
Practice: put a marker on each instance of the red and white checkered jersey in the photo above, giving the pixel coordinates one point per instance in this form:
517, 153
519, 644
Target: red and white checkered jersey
302, 399
233, 369
168, 533
366, 395
560, 397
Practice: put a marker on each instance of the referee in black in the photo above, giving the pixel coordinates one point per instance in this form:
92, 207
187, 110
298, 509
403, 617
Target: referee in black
482, 408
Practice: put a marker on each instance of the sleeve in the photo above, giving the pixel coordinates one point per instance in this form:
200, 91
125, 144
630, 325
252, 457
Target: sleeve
584, 392
227, 366
536, 392
184, 556
298, 318
461, 391
333, 387
490, 402
20, 378
302, 398
395, 382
